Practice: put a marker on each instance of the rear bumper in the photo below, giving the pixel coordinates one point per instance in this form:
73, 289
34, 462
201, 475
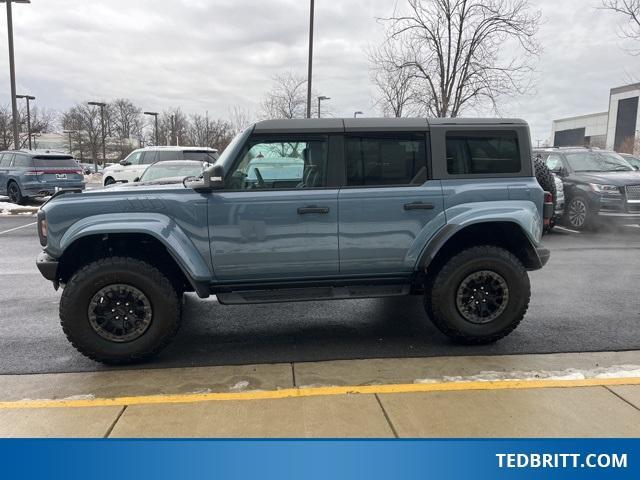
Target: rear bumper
46, 189
48, 266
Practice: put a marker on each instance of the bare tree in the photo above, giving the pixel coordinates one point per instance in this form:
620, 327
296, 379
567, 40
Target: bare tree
287, 98
455, 49
6, 128
396, 87
173, 127
86, 121
239, 119
206, 132
631, 10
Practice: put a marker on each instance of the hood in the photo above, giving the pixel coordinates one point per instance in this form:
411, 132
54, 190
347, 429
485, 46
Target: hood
619, 179
160, 181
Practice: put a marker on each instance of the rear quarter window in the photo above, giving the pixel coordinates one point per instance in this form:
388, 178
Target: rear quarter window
22, 161
483, 154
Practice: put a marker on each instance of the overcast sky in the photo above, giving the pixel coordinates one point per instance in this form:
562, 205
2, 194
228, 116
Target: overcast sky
214, 54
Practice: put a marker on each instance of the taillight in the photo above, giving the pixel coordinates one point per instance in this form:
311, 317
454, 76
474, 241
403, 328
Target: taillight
548, 197
32, 173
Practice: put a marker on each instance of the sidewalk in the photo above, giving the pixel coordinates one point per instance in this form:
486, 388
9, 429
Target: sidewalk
565, 395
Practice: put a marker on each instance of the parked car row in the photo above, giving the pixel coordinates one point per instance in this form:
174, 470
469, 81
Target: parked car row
599, 185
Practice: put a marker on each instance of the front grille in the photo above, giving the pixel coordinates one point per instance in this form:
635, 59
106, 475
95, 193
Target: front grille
633, 192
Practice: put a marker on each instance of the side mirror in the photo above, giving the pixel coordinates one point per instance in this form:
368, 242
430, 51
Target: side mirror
137, 179
212, 179
125, 163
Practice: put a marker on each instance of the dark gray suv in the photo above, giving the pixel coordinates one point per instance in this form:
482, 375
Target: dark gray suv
25, 174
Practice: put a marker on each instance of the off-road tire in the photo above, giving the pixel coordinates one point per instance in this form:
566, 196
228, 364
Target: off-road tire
15, 194
442, 288
545, 177
86, 282
547, 182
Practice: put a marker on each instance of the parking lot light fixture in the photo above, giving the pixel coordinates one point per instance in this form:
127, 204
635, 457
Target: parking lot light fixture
102, 106
355, 114
12, 70
28, 98
155, 115
321, 98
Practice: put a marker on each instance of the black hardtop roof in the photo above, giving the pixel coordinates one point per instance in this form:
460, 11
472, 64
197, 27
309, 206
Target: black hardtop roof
306, 125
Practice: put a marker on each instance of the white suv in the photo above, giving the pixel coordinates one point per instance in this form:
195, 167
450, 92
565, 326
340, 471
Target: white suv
135, 164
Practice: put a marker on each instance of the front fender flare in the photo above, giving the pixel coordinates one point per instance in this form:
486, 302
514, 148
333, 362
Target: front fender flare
160, 227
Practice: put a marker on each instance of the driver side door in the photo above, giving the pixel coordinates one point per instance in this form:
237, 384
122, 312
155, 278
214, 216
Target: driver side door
277, 218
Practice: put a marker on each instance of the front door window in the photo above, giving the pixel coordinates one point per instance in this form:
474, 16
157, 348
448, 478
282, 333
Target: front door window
281, 164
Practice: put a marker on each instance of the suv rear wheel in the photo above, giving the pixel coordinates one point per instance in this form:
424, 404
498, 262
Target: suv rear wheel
15, 194
119, 310
479, 296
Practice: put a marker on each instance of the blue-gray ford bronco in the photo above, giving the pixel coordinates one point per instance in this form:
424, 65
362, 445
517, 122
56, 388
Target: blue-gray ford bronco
311, 209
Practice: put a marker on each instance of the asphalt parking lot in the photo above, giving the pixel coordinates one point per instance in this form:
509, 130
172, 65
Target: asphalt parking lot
585, 300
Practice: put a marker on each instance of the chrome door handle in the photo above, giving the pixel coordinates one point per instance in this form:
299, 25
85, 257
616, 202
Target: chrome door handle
419, 206
312, 209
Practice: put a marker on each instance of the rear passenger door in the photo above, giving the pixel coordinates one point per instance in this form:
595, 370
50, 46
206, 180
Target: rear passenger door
389, 207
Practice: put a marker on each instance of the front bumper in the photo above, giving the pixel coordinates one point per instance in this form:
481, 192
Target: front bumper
48, 266
543, 254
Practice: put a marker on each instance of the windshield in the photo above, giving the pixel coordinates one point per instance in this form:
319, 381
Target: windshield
591, 161
634, 161
160, 171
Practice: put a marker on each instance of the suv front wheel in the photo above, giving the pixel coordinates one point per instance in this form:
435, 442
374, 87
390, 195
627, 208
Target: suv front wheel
119, 310
479, 296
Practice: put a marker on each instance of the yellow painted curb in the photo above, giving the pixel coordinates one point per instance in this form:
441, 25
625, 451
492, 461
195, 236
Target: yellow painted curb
318, 392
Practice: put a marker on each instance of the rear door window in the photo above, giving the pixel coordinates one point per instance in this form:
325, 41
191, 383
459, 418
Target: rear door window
203, 156
377, 160
483, 154
168, 155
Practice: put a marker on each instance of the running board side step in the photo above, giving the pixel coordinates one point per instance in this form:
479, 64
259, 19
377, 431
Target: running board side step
304, 294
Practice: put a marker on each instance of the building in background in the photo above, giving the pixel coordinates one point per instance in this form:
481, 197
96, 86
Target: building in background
615, 129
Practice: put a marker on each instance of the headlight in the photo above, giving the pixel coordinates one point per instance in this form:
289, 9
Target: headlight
608, 189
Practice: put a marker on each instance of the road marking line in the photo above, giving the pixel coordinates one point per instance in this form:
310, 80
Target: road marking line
18, 228
317, 392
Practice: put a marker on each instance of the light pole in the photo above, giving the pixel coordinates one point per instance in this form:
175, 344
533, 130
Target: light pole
310, 71
28, 98
12, 71
173, 130
355, 114
70, 132
155, 115
320, 99
104, 133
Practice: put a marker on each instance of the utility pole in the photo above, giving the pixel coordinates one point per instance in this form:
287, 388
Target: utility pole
12, 71
104, 133
310, 71
28, 98
155, 115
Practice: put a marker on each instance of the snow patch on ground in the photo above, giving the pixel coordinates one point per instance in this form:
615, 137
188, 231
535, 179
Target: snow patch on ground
616, 371
7, 208
242, 385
